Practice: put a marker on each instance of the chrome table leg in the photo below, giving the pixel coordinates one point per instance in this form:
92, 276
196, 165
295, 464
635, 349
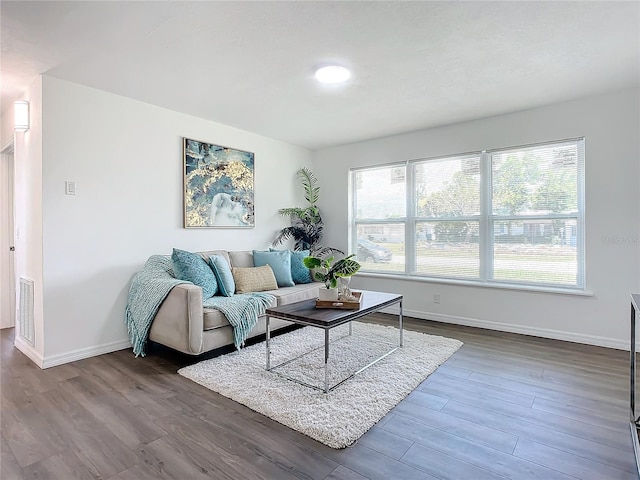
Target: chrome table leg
400, 322
268, 334
326, 361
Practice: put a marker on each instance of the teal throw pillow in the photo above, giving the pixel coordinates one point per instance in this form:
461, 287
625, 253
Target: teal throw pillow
191, 267
299, 273
280, 263
222, 271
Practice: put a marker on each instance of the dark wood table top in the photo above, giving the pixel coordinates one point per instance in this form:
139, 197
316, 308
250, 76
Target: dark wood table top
307, 313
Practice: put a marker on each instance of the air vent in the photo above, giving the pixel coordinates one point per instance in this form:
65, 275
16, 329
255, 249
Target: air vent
25, 312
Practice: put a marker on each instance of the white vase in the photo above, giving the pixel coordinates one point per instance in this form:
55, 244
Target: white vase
328, 294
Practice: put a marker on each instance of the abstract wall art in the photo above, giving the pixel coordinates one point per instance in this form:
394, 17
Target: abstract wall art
218, 186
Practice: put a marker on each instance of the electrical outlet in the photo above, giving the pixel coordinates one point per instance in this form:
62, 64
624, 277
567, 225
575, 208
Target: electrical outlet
436, 298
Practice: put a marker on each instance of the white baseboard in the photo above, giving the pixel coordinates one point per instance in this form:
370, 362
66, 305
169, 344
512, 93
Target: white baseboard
28, 350
82, 353
513, 328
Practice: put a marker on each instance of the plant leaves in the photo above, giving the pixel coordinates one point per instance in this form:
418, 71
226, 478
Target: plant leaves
310, 184
307, 226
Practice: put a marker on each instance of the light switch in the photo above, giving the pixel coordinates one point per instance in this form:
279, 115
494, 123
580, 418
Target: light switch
70, 188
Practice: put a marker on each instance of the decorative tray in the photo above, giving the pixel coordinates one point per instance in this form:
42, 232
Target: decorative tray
341, 304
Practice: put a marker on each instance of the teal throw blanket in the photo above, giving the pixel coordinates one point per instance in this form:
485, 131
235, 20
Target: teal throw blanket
149, 288
242, 312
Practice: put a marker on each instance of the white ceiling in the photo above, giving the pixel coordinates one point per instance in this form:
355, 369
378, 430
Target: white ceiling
250, 64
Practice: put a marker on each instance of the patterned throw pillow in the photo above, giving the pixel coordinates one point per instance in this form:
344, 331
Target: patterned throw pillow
254, 279
280, 262
191, 267
222, 271
299, 272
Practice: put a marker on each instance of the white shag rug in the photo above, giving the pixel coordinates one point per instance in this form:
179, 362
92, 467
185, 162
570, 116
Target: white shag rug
340, 417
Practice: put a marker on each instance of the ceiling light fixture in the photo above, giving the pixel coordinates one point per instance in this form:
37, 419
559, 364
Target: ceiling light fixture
332, 74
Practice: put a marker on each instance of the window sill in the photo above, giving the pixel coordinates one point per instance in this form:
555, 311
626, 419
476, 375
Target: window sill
470, 283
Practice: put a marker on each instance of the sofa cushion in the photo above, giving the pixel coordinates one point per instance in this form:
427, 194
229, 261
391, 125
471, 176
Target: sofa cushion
210, 253
297, 293
241, 258
254, 279
222, 271
213, 318
192, 268
280, 262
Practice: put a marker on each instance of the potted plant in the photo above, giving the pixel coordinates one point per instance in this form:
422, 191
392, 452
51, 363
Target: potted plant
306, 223
328, 272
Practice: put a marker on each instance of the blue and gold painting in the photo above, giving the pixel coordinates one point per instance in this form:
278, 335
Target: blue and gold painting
218, 186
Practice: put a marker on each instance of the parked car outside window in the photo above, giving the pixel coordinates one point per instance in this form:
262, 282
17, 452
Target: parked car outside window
372, 253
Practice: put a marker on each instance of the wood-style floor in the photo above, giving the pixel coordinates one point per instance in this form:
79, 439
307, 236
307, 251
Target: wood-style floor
503, 406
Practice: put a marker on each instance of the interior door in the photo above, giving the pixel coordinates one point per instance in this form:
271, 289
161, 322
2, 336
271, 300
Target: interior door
8, 321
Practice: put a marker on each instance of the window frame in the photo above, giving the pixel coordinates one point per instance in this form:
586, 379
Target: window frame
486, 221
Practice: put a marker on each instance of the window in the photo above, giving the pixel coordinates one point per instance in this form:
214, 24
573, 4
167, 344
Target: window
447, 219
508, 216
380, 203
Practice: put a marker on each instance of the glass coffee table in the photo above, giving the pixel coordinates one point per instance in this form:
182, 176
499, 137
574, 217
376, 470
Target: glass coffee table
306, 313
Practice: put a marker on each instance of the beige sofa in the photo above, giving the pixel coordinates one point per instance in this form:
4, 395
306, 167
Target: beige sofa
183, 324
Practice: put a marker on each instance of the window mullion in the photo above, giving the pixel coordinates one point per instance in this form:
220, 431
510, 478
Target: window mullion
581, 280
486, 221
410, 244
352, 228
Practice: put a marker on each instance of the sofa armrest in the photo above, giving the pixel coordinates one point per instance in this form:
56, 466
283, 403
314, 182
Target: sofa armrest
179, 321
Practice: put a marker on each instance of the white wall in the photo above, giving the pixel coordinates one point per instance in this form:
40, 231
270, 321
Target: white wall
610, 124
126, 159
6, 127
28, 215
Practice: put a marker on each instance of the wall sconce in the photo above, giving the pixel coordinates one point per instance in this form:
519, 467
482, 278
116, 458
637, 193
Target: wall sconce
21, 116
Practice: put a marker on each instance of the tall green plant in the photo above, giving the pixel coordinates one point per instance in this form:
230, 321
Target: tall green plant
307, 226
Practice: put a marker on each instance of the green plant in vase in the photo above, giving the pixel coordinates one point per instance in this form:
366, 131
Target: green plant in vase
328, 272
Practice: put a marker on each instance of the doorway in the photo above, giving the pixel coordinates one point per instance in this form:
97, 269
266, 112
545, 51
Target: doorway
7, 242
